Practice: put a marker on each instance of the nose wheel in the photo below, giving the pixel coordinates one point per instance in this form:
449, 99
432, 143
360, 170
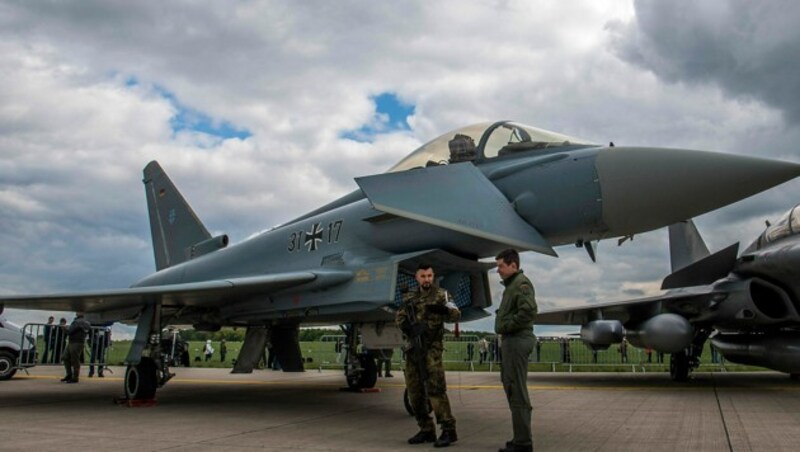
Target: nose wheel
360, 369
679, 366
365, 375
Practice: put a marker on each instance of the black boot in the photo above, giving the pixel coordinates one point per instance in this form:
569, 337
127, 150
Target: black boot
511, 447
422, 437
66, 378
446, 438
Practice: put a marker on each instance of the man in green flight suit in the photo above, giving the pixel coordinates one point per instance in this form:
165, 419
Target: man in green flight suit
77, 332
514, 322
421, 317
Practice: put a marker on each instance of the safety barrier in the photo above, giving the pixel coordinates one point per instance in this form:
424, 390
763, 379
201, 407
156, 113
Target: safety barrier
467, 352
549, 354
47, 344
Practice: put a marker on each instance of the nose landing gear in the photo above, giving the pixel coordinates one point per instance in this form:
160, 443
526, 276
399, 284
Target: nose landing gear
360, 369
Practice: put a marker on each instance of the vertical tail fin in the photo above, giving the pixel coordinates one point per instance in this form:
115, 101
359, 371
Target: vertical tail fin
686, 246
173, 224
692, 264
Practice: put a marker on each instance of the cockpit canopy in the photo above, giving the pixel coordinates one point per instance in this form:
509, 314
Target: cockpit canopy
483, 141
789, 224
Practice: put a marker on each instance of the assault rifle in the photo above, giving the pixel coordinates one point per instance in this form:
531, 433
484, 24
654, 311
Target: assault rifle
415, 332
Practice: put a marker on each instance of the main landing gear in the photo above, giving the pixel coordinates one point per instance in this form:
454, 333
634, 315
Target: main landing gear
147, 363
679, 366
682, 363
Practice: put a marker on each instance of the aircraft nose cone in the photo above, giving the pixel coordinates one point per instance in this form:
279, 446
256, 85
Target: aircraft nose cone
646, 188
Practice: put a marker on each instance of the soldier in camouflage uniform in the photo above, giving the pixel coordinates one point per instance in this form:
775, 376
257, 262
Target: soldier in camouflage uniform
514, 322
421, 317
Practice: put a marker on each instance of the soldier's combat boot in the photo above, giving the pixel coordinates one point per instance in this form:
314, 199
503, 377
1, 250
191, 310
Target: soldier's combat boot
66, 378
511, 447
422, 437
446, 438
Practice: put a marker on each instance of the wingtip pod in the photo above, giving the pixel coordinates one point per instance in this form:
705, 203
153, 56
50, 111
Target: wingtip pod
647, 188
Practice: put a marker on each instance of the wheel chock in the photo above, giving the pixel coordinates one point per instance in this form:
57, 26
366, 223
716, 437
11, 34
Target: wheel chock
360, 390
135, 403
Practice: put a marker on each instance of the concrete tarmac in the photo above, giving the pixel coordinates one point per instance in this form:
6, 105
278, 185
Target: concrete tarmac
211, 409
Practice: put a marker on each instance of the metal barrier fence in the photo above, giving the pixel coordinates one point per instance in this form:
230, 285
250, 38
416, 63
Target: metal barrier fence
551, 353
46, 343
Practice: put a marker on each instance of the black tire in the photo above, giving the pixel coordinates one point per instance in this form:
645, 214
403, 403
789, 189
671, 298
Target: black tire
141, 381
8, 365
679, 366
367, 377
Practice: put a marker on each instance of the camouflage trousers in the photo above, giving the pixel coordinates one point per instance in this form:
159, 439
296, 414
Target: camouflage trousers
437, 391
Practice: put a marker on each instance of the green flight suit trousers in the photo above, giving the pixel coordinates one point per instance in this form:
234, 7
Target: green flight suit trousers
514, 374
72, 359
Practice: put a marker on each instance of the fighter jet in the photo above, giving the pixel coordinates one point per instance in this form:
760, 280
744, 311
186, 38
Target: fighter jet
463, 196
749, 306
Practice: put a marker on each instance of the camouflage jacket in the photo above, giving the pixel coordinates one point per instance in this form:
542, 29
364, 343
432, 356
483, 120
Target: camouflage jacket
518, 308
434, 323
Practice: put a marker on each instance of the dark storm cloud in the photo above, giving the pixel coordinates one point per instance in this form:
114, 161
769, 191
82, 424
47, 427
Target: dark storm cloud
749, 49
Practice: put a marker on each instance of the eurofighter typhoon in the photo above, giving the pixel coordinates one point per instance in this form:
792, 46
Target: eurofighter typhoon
463, 196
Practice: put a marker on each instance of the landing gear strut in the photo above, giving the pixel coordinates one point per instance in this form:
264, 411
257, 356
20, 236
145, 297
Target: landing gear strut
147, 364
682, 363
679, 366
360, 369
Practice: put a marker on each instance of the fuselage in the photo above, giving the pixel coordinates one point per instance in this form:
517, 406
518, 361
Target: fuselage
567, 190
774, 257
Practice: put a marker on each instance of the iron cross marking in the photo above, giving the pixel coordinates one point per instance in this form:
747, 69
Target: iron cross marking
314, 237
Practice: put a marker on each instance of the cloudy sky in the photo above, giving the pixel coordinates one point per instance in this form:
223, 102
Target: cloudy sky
263, 110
